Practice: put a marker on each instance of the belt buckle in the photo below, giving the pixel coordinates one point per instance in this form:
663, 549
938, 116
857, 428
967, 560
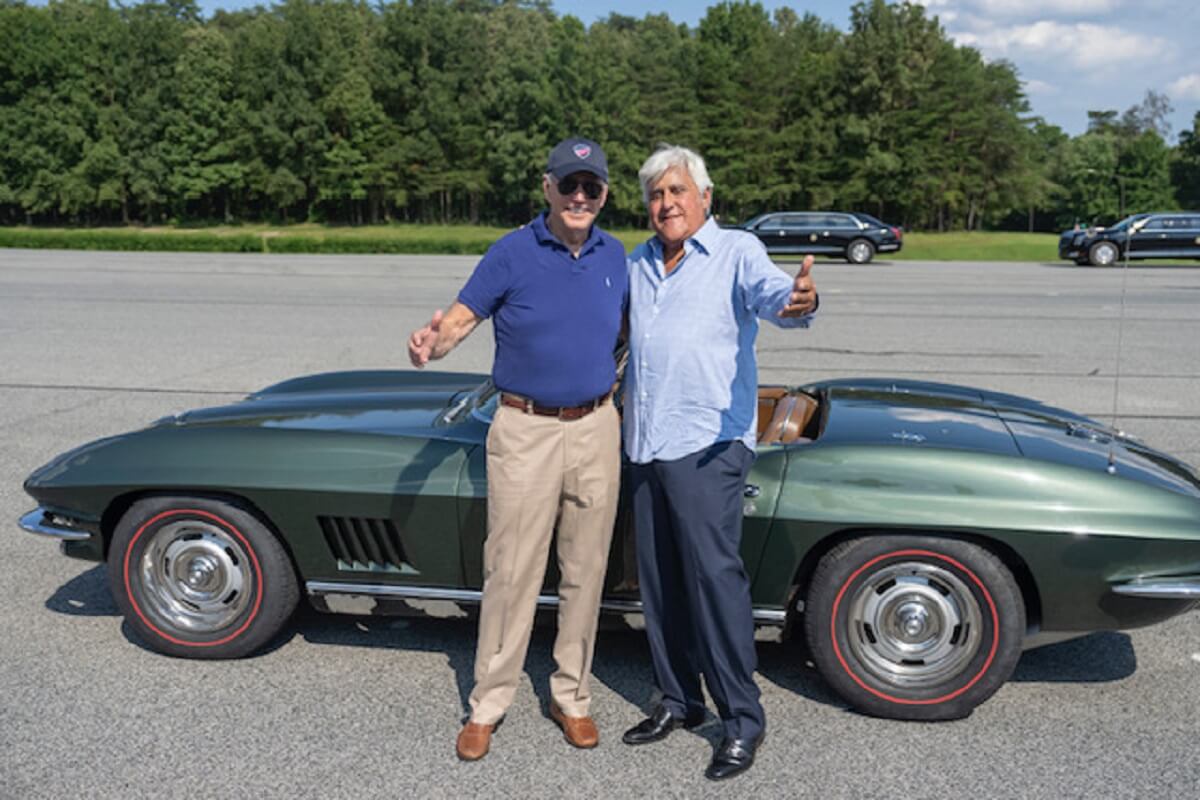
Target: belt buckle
528, 409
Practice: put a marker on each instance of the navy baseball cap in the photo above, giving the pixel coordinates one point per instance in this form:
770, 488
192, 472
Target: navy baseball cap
577, 155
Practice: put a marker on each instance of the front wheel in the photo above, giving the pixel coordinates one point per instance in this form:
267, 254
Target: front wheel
200, 578
914, 627
1103, 254
860, 251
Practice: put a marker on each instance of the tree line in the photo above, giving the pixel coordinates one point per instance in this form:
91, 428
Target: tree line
443, 111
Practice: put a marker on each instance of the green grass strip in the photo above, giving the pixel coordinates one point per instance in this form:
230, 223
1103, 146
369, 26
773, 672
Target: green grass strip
456, 239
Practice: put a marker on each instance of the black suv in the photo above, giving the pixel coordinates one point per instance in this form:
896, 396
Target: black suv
1163, 234
853, 236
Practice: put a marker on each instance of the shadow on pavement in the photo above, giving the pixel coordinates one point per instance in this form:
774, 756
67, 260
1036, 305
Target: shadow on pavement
1139, 265
1096, 658
85, 595
622, 661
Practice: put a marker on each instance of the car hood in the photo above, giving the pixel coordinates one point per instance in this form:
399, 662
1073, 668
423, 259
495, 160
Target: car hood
393, 402
921, 414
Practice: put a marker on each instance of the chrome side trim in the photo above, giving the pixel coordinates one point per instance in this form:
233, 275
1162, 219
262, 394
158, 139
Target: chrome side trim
774, 616
37, 521
1183, 588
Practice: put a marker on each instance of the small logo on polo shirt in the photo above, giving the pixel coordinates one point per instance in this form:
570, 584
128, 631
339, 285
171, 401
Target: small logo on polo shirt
581, 151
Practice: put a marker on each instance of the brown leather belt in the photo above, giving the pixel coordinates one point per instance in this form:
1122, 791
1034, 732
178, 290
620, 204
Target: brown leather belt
565, 413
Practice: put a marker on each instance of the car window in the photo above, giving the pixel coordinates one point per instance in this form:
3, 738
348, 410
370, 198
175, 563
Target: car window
1155, 224
798, 220
840, 221
771, 223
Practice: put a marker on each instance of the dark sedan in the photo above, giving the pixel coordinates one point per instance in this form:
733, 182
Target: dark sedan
854, 236
1173, 234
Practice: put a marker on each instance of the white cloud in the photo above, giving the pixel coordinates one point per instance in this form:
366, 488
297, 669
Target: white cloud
1035, 9
1034, 86
1084, 45
1045, 8
1185, 88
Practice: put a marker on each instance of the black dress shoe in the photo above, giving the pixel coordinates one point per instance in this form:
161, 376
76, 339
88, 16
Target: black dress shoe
733, 757
658, 725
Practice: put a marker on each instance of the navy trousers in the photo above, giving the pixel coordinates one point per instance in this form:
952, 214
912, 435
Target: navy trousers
695, 593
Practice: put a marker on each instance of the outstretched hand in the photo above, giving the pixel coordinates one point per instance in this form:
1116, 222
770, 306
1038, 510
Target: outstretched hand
803, 299
420, 344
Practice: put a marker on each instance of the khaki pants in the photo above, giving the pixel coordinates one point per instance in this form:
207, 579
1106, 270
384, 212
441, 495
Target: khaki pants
541, 470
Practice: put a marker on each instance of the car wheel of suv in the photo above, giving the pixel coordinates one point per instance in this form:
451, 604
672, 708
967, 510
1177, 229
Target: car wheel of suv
200, 578
860, 251
914, 627
1102, 254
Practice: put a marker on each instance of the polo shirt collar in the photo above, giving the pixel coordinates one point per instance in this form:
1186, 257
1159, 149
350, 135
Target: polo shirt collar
546, 237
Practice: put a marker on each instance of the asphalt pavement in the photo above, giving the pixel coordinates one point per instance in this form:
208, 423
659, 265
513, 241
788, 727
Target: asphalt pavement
92, 344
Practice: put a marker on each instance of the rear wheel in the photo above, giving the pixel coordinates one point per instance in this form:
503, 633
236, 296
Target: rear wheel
914, 627
1102, 254
860, 251
200, 578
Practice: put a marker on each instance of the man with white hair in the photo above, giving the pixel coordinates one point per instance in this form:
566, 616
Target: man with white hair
696, 294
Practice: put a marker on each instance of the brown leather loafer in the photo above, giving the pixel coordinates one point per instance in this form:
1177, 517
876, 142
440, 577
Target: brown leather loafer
579, 731
473, 741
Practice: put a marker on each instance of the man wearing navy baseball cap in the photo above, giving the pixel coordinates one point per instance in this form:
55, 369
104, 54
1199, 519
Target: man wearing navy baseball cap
556, 291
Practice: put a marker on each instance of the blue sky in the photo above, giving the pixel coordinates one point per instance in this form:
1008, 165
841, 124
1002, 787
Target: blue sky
1073, 55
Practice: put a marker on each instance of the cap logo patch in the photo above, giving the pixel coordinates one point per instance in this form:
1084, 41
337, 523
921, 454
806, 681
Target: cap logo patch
581, 151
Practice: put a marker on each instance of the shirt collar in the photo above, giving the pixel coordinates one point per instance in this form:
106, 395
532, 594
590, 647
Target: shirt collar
546, 237
706, 238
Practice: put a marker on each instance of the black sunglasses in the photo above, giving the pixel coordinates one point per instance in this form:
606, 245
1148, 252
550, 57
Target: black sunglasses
567, 187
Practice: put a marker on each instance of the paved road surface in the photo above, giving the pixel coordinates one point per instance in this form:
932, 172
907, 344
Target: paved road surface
96, 343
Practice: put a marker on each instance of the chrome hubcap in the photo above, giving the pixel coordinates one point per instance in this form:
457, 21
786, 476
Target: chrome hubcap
860, 252
1105, 255
196, 576
914, 624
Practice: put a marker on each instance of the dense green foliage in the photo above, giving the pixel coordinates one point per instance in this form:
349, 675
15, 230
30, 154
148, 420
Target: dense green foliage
443, 111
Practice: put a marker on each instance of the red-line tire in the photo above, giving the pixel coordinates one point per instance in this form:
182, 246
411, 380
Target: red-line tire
200, 578
914, 627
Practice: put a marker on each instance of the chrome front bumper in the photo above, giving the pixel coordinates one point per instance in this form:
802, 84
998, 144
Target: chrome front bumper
47, 523
1184, 587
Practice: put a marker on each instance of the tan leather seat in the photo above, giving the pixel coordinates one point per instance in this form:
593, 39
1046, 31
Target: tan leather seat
789, 419
768, 398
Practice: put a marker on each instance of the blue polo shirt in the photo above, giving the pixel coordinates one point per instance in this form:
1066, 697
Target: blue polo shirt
556, 318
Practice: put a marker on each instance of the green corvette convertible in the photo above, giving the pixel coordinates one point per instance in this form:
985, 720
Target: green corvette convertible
918, 535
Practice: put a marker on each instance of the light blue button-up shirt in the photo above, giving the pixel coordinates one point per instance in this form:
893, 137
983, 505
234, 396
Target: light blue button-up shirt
692, 378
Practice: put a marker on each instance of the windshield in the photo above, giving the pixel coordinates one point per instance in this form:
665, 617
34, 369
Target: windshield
471, 403
1125, 223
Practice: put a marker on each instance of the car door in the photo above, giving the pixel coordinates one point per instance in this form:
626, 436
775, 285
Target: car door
773, 232
1152, 239
1183, 236
840, 230
805, 232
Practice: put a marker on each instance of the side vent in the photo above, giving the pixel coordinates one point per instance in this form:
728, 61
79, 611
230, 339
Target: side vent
365, 545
